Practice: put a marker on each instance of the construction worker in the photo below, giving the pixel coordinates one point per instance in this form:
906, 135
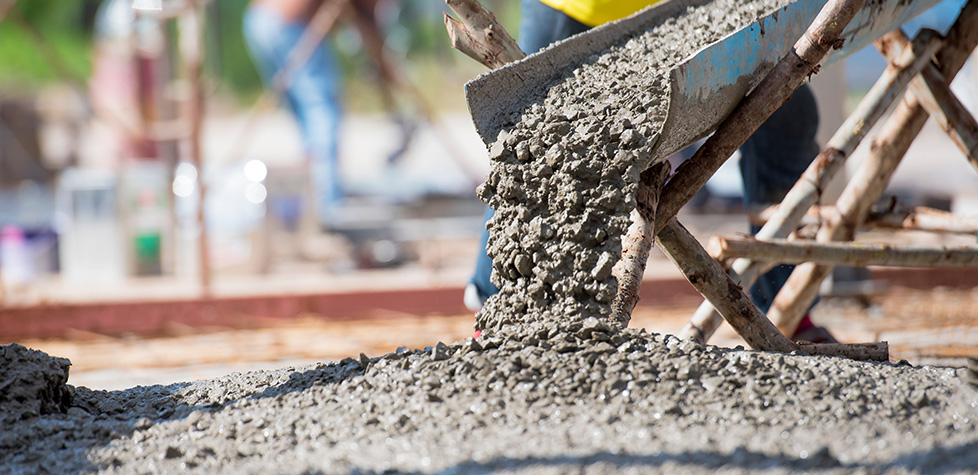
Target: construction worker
272, 29
771, 160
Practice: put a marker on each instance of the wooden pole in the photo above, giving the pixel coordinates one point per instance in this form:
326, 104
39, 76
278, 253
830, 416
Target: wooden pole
896, 216
706, 275
895, 137
836, 253
857, 351
808, 189
924, 219
479, 35
637, 243
937, 99
773, 91
191, 47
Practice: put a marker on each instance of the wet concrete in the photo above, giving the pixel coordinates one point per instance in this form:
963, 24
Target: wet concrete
563, 177
31, 384
551, 387
587, 398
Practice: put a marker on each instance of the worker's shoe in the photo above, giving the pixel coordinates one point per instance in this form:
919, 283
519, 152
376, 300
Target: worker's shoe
807, 331
473, 299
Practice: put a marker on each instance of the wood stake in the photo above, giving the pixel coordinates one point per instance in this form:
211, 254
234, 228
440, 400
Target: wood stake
896, 216
706, 275
191, 29
857, 351
637, 243
936, 97
479, 35
836, 253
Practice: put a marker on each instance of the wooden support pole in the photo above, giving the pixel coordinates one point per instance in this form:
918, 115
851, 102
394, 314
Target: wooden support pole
895, 137
479, 35
879, 351
637, 243
191, 48
922, 218
706, 275
839, 253
773, 91
808, 189
896, 216
937, 99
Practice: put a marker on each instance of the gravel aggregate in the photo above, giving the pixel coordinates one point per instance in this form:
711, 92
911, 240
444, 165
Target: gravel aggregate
551, 386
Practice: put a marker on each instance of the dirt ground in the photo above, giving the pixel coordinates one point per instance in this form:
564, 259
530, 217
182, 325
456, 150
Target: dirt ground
937, 327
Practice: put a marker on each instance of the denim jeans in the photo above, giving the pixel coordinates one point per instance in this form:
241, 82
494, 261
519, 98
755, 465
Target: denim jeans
771, 162
313, 97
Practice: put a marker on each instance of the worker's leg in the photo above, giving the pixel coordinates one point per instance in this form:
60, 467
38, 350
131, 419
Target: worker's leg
540, 26
772, 161
316, 92
312, 96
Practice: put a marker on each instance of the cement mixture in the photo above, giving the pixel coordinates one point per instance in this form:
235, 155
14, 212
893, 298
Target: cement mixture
564, 177
587, 399
552, 386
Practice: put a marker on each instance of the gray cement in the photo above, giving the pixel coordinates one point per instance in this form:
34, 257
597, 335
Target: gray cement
586, 399
551, 387
563, 178
31, 384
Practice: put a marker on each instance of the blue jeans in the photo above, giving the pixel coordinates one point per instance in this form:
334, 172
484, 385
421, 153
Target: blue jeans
771, 162
313, 97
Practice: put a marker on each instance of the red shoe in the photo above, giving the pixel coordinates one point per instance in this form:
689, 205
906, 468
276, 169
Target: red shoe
807, 331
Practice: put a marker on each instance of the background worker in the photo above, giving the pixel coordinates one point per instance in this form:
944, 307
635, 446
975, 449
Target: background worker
272, 29
771, 161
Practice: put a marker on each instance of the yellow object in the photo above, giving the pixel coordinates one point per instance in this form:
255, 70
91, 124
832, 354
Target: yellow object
597, 12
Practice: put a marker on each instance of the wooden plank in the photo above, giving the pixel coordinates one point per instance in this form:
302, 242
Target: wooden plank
837, 253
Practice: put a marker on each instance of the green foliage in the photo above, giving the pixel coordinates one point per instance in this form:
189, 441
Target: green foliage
45, 41
231, 64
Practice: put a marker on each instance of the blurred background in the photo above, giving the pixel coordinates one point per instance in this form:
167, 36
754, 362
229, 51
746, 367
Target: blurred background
114, 122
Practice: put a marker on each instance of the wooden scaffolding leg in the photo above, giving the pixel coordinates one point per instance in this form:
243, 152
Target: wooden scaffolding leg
871, 178
637, 243
838, 253
479, 35
937, 99
808, 189
895, 216
706, 275
773, 91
